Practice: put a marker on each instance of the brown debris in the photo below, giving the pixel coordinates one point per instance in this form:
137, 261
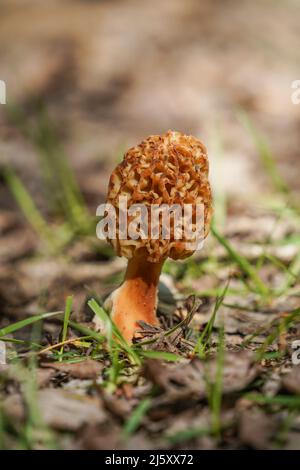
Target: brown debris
88, 369
291, 381
256, 428
59, 409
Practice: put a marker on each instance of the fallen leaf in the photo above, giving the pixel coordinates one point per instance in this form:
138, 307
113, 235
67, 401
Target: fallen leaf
240, 321
291, 381
8, 221
43, 377
292, 441
60, 409
88, 369
256, 428
15, 245
239, 370
178, 381
98, 437
189, 380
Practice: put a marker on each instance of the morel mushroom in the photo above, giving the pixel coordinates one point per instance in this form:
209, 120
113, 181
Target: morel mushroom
169, 169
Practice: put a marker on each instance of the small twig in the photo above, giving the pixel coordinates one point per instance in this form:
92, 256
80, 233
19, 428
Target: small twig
62, 343
184, 323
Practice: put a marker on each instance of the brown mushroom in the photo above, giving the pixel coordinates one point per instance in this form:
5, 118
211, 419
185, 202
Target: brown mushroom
163, 169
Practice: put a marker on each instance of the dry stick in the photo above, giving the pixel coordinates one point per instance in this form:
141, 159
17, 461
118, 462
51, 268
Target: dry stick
62, 343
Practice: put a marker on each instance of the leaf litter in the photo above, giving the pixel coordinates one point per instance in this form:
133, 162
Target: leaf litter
216, 373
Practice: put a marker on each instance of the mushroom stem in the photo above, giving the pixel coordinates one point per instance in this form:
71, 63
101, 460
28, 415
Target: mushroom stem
136, 299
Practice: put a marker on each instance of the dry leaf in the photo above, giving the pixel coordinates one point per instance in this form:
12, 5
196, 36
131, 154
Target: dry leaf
189, 380
292, 380
239, 370
60, 409
256, 428
88, 369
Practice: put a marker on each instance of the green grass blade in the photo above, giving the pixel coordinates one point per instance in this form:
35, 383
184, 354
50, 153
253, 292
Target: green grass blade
87, 331
136, 417
162, 355
105, 320
28, 321
114, 331
289, 401
28, 207
280, 328
60, 183
292, 274
187, 435
242, 262
114, 371
67, 314
21, 341
215, 397
220, 196
36, 430
265, 154
204, 338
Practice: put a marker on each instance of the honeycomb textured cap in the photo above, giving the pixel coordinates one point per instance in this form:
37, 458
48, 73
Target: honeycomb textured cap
163, 169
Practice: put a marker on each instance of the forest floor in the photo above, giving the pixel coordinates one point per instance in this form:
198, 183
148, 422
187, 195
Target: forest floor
221, 370
217, 373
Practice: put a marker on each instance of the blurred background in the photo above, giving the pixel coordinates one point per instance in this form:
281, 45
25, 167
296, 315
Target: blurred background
112, 72
87, 79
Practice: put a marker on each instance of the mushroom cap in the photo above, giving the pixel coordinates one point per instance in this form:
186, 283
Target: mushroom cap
163, 169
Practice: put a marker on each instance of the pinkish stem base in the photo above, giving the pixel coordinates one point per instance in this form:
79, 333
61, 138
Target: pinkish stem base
136, 299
